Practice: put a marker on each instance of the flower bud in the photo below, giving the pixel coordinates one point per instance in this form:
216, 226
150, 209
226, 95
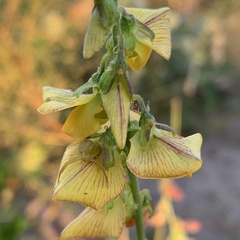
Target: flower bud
145, 123
108, 145
109, 75
127, 27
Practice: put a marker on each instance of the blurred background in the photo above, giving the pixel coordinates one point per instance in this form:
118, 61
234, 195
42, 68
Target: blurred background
41, 44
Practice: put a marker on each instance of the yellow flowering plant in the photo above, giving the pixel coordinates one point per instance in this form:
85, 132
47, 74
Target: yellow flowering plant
111, 146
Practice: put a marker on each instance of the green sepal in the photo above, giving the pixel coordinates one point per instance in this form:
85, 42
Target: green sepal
131, 207
123, 157
137, 104
165, 127
108, 76
85, 87
133, 126
109, 44
144, 135
108, 145
127, 21
146, 122
129, 44
109, 206
104, 63
127, 28
147, 203
89, 147
141, 28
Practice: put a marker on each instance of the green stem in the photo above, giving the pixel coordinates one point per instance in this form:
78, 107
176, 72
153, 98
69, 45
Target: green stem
137, 200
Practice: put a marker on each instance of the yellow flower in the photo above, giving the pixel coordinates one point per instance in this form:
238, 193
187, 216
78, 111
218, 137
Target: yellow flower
106, 222
157, 20
82, 177
165, 155
82, 121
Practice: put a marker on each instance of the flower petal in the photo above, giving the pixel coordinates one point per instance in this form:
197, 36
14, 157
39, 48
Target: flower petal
56, 99
117, 104
141, 56
95, 36
57, 94
97, 223
158, 21
86, 182
81, 122
165, 156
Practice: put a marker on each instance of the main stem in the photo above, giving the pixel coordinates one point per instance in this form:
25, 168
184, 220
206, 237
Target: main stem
137, 200
118, 41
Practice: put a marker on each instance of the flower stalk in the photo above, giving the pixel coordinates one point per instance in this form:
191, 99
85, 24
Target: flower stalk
114, 132
138, 213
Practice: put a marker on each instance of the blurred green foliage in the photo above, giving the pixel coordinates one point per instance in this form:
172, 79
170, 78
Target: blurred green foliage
41, 44
13, 224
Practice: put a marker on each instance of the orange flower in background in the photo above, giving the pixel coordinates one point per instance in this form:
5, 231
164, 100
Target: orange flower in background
192, 225
172, 190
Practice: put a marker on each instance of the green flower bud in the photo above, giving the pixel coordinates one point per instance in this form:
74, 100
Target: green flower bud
147, 203
109, 75
146, 123
89, 148
129, 44
108, 145
130, 206
108, 156
127, 28
127, 20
